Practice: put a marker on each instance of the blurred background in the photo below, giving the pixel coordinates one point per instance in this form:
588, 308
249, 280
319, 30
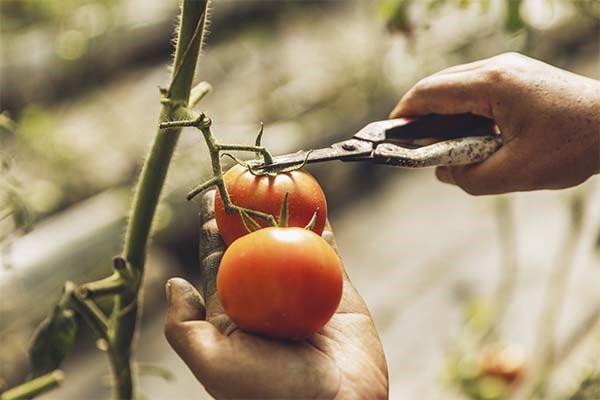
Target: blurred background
468, 294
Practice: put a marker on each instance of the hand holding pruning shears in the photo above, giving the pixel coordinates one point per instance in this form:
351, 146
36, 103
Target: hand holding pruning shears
507, 123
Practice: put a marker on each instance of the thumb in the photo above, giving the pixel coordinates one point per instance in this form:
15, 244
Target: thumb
194, 339
185, 303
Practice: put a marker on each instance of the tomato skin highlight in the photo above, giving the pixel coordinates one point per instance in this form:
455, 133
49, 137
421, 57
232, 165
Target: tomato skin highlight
280, 282
265, 194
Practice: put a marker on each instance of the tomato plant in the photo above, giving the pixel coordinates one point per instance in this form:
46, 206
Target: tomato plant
280, 282
265, 194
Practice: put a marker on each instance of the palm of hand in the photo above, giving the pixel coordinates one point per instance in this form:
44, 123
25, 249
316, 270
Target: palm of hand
344, 360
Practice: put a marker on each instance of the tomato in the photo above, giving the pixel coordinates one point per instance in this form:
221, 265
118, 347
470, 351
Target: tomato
265, 194
503, 362
280, 282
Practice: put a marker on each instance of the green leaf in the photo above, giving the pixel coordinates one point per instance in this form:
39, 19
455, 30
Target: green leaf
435, 4
464, 3
589, 388
52, 340
395, 12
513, 21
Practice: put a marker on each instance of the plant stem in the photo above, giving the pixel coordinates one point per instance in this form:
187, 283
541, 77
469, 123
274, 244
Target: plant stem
91, 313
554, 299
268, 158
214, 149
113, 284
198, 93
152, 178
34, 387
509, 265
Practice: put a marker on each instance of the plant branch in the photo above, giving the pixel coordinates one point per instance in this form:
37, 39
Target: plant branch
555, 296
147, 194
201, 188
111, 285
509, 265
198, 93
118, 331
267, 157
90, 312
587, 325
34, 387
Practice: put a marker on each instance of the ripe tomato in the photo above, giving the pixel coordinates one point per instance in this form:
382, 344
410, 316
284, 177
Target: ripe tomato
265, 194
280, 282
504, 362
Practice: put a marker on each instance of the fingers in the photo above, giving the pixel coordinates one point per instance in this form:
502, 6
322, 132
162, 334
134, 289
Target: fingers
448, 93
329, 236
493, 176
444, 174
194, 339
211, 249
185, 303
210, 239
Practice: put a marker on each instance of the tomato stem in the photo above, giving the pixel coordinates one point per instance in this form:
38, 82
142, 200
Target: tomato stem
89, 311
198, 92
202, 187
203, 123
246, 219
113, 284
35, 387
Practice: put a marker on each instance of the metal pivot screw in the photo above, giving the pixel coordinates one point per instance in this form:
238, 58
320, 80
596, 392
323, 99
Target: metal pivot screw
348, 146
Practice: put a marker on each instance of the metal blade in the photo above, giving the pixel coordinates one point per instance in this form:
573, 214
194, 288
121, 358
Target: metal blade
337, 151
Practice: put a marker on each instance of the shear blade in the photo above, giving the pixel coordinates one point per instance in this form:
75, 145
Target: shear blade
338, 151
288, 160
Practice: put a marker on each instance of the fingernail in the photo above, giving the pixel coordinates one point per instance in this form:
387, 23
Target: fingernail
168, 291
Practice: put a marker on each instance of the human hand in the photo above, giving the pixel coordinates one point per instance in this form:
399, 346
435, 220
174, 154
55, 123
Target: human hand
549, 119
344, 360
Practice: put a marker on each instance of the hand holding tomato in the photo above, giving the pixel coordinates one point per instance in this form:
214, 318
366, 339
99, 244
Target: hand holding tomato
343, 360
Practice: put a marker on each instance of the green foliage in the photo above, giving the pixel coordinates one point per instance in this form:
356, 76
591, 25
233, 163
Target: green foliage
52, 340
395, 12
588, 7
465, 374
7, 125
513, 21
12, 202
589, 388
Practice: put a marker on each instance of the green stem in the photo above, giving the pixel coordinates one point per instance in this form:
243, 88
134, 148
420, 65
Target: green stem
201, 188
91, 313
268, 158
111, 285
198, 93
555, 296
152, 178
34, 387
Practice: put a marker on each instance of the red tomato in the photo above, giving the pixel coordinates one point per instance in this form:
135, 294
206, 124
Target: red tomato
280, 282
265, 194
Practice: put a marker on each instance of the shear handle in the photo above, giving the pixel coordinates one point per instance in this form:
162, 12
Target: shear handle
441, 126
467, 150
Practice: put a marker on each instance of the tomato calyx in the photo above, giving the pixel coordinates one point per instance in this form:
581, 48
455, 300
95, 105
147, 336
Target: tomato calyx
250, 224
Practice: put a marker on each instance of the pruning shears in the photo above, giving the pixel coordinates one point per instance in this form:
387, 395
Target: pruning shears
425, 141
